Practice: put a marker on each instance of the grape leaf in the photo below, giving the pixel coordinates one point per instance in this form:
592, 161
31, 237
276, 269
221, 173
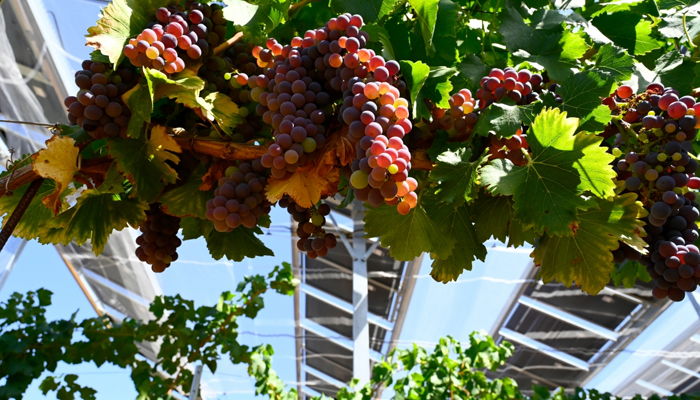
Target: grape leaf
239, 12
672, 26
184, 90
473, 69
378, 34
457, 176
58, 161
441, 144
674, 70
585, 258
415, 74
119, 21
640, 7
547, 191
426, 13
581, 96
193, 228
456, 222
627, 273
187, 200
95, 215
33, 222
305, 186
407, 236
78, 134
140, 101
545, 43
371, 10
505, 117
143, 161
614, 62
437, 86
220, 107
628, 30
494, 217
236, 245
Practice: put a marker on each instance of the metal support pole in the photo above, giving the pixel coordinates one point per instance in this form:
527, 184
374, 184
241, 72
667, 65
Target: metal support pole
194, 390
296, 264
360, 326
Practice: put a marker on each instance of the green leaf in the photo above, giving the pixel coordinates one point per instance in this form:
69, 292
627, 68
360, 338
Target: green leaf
495, 218
95, 216
236, 245
140, 101
193, 228
640, 7
585, 258
456, 222
505, 118
426, 13
473, 69
437, 86
119, 21
442, 144
144, 161
457, 176
628, 30
674, 70
220, 107
627, 273
415, 74
184, 90
371, 10
187, 200
239, 12
35, 218
614, 62
379, 34
407, 236
581, 96
547, 191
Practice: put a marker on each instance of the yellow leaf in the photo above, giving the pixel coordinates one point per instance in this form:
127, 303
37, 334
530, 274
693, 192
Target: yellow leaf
304, 186
58, 162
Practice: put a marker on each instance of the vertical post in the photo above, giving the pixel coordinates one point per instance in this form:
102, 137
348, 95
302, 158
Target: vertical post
296, 265
360, 326
194, 390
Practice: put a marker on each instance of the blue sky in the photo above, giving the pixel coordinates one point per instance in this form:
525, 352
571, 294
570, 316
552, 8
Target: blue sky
436, 310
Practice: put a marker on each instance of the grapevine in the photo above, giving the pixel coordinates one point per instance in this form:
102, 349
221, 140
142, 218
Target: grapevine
202, 117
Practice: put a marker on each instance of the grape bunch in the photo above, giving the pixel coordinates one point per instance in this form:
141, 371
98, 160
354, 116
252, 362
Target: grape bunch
512, 148
378, 119
98, 107
313, 239
663, 174
520, 86
459, 119
239, 198
158, 242
178, 38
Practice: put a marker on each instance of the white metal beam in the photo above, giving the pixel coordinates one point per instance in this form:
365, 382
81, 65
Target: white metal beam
543, 348
360, 325
656, 389
343, 305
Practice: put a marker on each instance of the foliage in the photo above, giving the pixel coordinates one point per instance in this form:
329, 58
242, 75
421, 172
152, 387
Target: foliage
182, 124
31, 345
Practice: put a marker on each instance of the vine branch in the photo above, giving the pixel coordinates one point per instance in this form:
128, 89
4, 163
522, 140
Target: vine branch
687, 36
225, 45
19, 212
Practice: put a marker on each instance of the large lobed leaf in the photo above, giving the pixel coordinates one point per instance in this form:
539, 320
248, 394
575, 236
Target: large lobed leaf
188, 200
505, 118
144, 161
236, 245
407, 236
120, 21
581, 96
455, 221
457, 176
494, 217
547, 191
585, 258
58, 161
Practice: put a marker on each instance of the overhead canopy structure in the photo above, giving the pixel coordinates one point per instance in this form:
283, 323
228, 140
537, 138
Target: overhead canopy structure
358, 287
563, 337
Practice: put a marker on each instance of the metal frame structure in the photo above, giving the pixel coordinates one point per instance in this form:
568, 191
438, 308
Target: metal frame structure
564, 337
351, 300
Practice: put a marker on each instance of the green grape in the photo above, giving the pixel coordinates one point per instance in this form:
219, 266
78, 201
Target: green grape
214, 134
359, 180
230, 170
237, 138
317, 220
243, 112
617, 152
309, 145
680, 168
393, 169
227, 76
676, 156
651, 175
661, 157
659, 168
